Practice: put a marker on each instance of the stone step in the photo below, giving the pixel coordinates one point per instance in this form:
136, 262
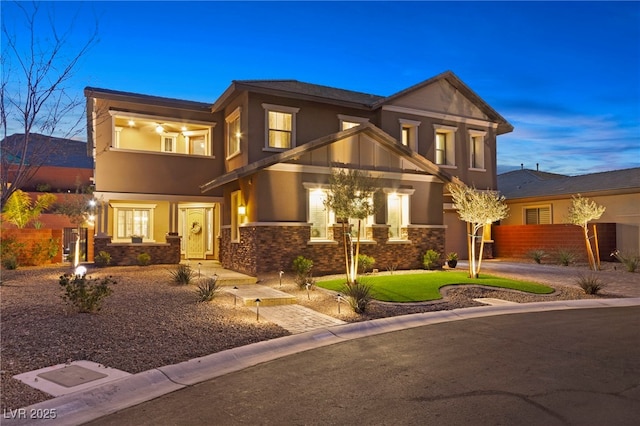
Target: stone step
247, 294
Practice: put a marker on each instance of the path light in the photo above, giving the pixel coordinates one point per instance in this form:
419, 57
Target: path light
308, 285
199, 265
81, 271
282, 272
258, 310
339, 300
235, 295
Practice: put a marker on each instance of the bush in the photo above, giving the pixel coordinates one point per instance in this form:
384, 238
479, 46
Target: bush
207, 289
358, 296
590, 283
565, 257
182, 275
9, 261
302, 268
537, 255
431, 259
84, 293
365, 263
630, 262
144, 259
102, 259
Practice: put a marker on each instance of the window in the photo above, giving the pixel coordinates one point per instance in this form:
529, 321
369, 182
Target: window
348, 122
445, 145
237, 215
318, 214
280, 126
233, 133
133, 219
476, 149
168, 142
537, 215
197, 142
397, 215
409, 133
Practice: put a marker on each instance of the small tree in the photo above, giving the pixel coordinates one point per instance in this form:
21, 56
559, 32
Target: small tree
20, 209
351, 197
581, 212
478, 209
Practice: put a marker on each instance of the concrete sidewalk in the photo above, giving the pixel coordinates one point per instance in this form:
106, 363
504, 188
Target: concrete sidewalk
92, 404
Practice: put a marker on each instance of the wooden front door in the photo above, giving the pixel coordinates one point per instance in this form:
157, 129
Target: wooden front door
196, 234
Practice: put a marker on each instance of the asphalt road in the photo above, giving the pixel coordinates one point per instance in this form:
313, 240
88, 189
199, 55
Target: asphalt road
573, 367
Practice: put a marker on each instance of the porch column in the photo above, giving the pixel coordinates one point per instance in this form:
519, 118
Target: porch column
102, 221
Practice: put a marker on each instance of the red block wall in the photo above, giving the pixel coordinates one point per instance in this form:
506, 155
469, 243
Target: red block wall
30, 237
517, 241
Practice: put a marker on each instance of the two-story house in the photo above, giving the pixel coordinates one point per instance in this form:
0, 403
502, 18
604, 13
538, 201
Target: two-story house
245, 180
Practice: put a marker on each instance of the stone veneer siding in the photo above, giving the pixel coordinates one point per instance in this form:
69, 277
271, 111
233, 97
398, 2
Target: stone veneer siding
267, 248
127, 253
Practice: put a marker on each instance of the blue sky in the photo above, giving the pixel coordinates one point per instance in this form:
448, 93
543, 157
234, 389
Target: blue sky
565, 74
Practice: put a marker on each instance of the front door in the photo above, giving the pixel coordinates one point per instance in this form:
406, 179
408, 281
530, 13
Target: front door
196, 233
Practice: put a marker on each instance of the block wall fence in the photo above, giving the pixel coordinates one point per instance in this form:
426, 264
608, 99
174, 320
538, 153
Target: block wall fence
34, 241
516, 241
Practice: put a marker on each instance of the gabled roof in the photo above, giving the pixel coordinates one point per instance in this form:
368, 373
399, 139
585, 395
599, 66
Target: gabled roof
529, 183
50, 151
116, 95
366, 128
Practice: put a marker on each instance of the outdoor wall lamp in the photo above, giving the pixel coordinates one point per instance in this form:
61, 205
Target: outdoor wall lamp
242, 210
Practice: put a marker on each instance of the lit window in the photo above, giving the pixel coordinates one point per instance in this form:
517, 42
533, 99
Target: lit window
445, 145
197, 142
318, 214
234, 134
537, 215
280, 126
397, 215
168, 142
409, 133
133, 220
476, 149
348, 122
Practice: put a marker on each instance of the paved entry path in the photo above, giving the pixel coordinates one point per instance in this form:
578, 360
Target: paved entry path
296, 318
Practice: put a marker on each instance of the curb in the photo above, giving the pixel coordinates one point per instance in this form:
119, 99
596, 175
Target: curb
84, 406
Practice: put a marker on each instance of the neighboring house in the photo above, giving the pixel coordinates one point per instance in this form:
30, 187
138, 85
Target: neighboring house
244, 180
59, 164
541, 198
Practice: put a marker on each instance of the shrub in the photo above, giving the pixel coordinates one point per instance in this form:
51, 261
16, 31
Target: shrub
84, 293
358, 296
9, 261
144, 259
590, 283
431, 259
537, 255
207, 289
630, 262
183, 274
565, 257
102, 259
365, 263
302, 268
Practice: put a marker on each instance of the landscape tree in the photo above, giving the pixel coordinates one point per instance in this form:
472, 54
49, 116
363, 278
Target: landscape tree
581, 212
478, 209
21, 210
35, 96
351, 196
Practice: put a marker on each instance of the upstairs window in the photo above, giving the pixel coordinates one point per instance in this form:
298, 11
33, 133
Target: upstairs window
348, 122
409, 133
168, 142
280, 126
234, 133
476, 149
445, 153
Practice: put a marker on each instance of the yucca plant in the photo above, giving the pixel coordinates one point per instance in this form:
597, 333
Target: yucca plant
207, 289
590, 283
565, 257
182, 275
358, 296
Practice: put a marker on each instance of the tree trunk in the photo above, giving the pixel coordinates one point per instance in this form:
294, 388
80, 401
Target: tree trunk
355, 260
481, 251
346, 253
592, 262
595, 241
469, 242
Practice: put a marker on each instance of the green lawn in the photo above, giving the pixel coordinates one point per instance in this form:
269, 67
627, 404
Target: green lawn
421, 287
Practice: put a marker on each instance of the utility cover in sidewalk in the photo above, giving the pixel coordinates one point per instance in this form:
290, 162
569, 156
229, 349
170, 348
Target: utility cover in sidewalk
62, 379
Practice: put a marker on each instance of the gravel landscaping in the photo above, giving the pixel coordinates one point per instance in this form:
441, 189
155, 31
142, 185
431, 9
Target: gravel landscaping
149, 322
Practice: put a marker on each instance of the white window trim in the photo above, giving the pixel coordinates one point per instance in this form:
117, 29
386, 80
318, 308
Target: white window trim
118, 206
413, 132
174, 141
407, 192
472, 134
236, 218
450, 147
116, 136
236, 114
350, 118
279, 108
207, 141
